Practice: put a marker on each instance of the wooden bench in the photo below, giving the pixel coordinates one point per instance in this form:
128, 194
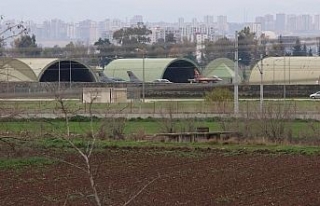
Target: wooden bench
196, 136
202, 132
202, 129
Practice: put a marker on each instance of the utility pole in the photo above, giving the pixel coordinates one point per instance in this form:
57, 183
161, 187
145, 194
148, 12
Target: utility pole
236, 74
143, 76
70, 74
284, 77
59, 73
261, 83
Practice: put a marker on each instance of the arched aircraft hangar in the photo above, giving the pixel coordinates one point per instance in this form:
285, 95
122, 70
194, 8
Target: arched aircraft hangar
177, 70
287, 70
45, 70
67, 68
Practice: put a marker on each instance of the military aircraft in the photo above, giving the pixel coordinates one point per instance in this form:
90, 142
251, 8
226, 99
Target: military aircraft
198, 78
104, 78
135, 79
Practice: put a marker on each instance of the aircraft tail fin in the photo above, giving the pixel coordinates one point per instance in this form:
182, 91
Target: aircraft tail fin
104, 78
133, 77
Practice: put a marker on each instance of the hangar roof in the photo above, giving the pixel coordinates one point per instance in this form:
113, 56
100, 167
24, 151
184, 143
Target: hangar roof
37, 65
16, 70
287, 70
211, 68
33, 69
222, 71
223, 68
153, 68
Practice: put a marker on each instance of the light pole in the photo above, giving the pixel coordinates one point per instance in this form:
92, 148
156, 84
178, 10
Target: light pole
236, 68
284, 77
143, 76
289, 70
261, 83
70, 74
59, 73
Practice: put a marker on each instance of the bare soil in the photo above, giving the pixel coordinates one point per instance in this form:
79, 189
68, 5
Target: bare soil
176, 177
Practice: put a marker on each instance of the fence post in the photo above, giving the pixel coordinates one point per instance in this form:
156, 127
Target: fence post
247, 109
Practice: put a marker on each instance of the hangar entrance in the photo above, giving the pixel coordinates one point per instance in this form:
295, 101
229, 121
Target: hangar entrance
66, 71
179, 71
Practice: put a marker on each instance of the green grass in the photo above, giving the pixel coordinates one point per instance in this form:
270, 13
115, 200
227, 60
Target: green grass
24, 162
148, 126
180, 106
230, 148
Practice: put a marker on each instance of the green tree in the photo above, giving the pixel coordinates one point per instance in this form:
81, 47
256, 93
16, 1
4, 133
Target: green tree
310, 53
105, 47
222, 48
247, 47
158, 49
26, 46
163, 45
132, 39
185, 48
55, 51
297, 48
106, 51
76, 50
304, 51
277, 48
170, 38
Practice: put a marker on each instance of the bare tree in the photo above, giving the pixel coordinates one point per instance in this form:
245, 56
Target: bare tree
85, 153
10, 31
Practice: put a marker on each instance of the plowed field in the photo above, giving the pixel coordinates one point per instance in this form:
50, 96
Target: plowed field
168, 177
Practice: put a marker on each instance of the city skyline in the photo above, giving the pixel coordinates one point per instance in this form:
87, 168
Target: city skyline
152, 11
58, 32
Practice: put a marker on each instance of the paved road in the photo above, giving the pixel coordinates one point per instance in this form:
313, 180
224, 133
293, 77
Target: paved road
142, 114
305, 115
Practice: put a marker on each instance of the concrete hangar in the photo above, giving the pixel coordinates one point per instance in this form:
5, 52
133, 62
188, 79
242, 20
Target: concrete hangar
287, 70
44, 70
177, 70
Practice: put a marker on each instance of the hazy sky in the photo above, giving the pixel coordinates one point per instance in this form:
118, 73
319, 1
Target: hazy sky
152, 10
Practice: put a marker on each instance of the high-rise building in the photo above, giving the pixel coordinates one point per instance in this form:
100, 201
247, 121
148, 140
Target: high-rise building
304, 23
117, 24
157, 33
134, 21
208, 20
280, 23
104, 25
222, 23
194, 22
180, 22
71, 31
88, 31
292, 23
261, 20
269, 22
316, 23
